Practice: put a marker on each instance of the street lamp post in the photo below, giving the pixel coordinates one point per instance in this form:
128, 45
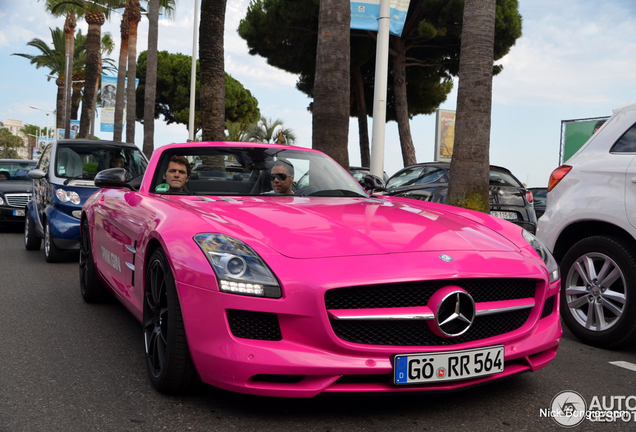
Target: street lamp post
48, 130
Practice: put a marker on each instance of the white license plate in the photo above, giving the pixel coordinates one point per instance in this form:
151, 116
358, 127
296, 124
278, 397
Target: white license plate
18, 212
448, 366
504, 215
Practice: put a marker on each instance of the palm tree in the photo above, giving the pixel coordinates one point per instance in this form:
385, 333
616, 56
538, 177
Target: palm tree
212, 69
235, 132
267, 131
121, 78
330, 122
69, 11
468, 186
95, 13
151, 78
134, 16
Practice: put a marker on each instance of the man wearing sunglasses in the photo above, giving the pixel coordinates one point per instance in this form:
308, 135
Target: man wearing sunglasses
282, 177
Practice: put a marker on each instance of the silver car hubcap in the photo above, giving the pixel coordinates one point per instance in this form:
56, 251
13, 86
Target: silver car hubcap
596, 292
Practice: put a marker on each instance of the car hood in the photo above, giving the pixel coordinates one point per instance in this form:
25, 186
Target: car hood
315, 227
16, 186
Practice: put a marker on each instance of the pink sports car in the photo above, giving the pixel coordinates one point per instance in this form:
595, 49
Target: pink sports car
270, 271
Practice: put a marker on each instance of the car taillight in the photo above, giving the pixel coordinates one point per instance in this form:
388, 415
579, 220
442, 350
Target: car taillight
557, 175
529, 197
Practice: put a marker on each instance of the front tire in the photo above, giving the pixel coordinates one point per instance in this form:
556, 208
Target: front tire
598, 291
52, 253
90, 286
31, 240
168, 360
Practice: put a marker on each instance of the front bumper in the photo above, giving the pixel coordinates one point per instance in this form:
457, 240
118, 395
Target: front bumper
310, 359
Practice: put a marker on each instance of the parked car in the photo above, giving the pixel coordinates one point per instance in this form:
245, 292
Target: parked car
359, 173
328, 289
540, 196
62, 181
15, 189
428, 181
590, 225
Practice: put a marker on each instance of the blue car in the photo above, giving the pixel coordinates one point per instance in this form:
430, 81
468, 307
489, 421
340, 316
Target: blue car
63, 181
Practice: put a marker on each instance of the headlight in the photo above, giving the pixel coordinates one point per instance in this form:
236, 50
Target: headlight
65, 196
237, 267
544, 253
1, 201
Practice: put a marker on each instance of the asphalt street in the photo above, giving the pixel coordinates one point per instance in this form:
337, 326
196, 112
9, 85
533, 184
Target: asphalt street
69, 366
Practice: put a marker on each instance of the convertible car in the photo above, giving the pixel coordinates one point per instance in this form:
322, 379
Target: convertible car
319, 287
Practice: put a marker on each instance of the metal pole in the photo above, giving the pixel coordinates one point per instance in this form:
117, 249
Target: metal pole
193, 74
380, 90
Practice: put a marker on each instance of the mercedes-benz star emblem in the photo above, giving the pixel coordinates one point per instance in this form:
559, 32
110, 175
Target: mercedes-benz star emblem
455, 313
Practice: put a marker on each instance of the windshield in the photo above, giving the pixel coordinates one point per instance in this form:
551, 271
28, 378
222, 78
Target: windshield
16, 170
418, 175
252, 171
83, 161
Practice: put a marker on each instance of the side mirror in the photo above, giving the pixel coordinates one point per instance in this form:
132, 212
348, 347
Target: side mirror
372, 183
36, 174
112, 177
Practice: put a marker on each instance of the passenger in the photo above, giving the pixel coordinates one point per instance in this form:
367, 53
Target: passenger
177, 174
4, 175
282, 177
117, 161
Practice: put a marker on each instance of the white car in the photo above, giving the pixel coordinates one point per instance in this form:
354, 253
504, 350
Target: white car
590, 227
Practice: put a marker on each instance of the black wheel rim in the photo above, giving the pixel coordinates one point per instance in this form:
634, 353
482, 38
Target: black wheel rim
156, 324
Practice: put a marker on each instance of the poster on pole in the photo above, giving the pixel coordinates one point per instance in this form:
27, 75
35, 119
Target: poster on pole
108, 95
109, 92
575, 133
365, 14
444, 135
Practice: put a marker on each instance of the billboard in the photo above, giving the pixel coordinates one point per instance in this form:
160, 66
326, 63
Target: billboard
108, 95
575, 133
444, 135
365, 14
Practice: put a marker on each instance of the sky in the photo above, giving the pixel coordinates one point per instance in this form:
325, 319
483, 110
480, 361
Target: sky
575, 59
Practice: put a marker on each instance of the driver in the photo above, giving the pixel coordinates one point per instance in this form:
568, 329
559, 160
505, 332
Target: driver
177, 174
282, 177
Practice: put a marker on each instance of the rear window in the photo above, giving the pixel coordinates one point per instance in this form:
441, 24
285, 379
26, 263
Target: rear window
501, 178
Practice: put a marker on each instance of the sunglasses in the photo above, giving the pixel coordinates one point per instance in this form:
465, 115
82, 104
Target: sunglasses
280, 176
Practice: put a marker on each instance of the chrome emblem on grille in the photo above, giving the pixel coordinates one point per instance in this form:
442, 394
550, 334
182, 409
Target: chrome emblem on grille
454, 312
446, 258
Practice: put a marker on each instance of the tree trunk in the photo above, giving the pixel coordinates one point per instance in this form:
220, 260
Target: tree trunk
69, 31
401, 103
151, 78
131, 100
212, 69
93, 45
469, 172
120, 98
330, 122
363, 127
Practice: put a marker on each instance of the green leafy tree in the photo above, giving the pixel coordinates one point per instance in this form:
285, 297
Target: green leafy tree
268, 131
173, 93
423, 60
9, 143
